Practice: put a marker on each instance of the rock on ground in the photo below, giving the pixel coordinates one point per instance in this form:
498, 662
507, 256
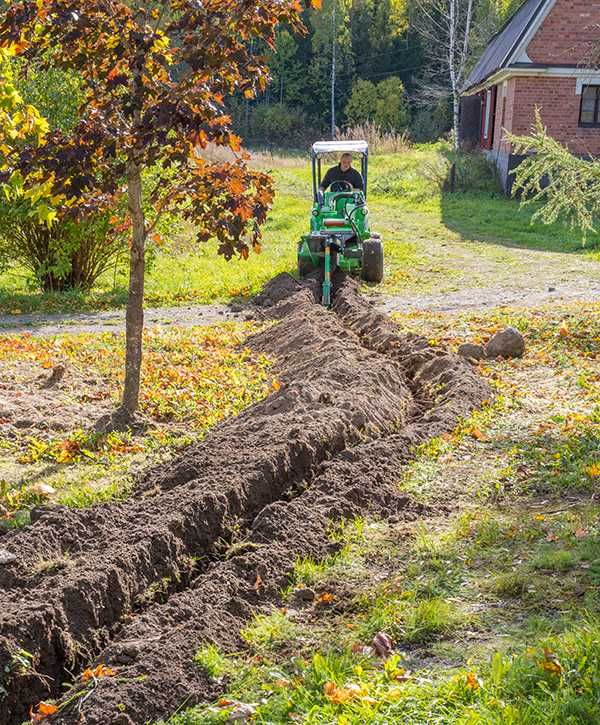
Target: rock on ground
471, 351
506, 343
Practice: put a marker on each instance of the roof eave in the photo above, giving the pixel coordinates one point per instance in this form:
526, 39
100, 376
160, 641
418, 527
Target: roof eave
537, 18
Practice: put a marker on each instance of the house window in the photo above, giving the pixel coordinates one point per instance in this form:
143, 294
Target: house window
589, 115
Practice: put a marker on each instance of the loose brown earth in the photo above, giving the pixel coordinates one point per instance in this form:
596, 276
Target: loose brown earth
140, 586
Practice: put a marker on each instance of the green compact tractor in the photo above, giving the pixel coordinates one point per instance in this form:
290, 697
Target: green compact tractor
339, 236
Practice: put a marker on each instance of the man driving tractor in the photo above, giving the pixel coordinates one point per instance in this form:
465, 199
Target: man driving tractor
343, 172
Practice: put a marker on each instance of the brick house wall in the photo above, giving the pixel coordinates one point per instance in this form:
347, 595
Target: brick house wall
559, 51
558, 101
559, 105
567, 33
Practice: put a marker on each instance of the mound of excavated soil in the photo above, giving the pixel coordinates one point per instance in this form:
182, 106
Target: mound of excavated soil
141, 585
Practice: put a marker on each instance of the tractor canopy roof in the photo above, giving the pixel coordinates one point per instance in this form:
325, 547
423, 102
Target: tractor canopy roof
321, 148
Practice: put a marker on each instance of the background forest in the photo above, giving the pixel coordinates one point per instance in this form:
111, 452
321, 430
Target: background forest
385, 73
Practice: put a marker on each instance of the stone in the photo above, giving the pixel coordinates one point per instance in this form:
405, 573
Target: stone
471, 351
6, 557
304, 595
506, 343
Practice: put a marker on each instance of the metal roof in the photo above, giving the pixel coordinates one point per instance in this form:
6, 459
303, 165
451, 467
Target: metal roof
320, 148
502, 45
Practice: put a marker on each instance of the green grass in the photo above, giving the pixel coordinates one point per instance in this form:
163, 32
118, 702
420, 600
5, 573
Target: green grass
212, 661
269, 631
491, 597
434, 241
545, 670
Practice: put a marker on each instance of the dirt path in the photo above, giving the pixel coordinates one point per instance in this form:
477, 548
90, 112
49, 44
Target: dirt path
189, 316
482, 297
207, 540
114, 320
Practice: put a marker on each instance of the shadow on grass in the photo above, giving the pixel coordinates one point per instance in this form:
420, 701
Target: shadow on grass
21, 303
494, 219
479, 211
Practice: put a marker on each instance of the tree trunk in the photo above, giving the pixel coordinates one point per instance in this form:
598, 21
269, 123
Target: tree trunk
134, 319
456, 118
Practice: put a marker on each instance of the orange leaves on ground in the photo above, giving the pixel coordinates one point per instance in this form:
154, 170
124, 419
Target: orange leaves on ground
276, 386
341, 695
325, 598
472, 430
550, 663
42, 711
258, 583
473, 682
563, 330
95, 673
476, 433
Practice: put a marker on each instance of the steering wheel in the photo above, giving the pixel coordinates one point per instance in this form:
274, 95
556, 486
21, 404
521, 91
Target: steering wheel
341, 186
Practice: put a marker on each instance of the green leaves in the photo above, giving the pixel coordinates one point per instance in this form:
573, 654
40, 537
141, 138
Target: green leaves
153, 80
567, 186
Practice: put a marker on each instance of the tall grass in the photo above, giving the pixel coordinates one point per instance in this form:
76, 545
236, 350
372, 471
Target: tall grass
380, 141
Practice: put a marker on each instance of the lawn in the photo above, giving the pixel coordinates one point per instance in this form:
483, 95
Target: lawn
434, 241
486, 609
490, 599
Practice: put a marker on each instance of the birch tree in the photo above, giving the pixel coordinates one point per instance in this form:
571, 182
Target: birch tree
446, 27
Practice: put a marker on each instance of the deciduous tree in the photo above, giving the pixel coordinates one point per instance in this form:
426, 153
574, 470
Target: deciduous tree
445, 26
155, 76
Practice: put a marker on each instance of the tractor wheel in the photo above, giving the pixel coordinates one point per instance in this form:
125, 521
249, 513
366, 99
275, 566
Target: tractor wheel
372, 263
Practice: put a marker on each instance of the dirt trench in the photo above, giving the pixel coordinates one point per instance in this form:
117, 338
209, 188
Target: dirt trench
141, 585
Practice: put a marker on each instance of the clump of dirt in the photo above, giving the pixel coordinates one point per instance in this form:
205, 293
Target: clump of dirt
356, 396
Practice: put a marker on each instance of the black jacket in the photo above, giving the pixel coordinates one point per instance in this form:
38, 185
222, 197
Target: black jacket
335, 173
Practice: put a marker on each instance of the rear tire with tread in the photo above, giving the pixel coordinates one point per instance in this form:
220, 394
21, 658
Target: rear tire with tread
372, 263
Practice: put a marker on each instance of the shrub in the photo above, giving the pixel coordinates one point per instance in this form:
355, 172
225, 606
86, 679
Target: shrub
391, 112
428, 124
474, 172
65, 255
360, 109
57, 94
